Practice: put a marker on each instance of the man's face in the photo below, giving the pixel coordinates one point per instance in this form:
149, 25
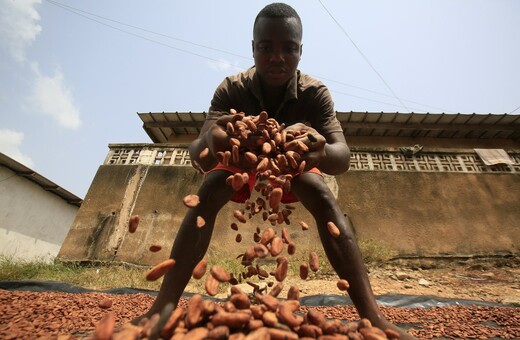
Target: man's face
276, 49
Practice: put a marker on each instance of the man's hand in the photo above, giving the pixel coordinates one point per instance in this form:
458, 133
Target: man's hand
314, 142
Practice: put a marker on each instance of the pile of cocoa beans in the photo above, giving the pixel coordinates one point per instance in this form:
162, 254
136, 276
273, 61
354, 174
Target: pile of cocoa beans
237, 319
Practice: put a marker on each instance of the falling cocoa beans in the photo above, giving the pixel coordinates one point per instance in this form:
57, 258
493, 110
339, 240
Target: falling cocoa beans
160, 269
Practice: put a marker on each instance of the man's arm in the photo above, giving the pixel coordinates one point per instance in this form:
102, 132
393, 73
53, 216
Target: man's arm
336, 159
198, 145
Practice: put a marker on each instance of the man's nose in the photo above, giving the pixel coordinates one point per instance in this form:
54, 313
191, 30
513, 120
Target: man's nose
277, 56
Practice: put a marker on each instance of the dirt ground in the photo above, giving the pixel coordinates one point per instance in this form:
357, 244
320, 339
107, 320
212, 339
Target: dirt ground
491, 280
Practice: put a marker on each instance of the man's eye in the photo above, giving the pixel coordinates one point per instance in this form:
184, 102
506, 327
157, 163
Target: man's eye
264, 49
291, 49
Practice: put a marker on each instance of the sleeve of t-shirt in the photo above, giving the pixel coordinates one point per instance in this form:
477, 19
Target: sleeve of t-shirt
220, 103
323, 117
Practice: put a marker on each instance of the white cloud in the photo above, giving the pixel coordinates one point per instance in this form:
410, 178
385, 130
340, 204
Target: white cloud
10, 142
18, 26
224, 65
53, 98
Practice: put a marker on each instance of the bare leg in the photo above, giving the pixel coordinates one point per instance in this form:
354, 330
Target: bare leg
191, 243
343, 252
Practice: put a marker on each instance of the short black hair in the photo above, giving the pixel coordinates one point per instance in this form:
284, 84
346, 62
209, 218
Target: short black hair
279, 10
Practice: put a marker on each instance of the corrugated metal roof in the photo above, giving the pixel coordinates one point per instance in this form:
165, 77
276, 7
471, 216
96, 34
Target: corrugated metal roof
23, 171
160, 125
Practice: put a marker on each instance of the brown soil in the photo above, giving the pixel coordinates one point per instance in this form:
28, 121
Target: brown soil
491, 280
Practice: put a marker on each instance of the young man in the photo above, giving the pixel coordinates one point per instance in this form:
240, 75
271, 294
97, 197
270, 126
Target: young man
274, 85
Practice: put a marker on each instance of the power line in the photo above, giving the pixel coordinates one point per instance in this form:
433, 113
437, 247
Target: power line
363, 55
64, 6
373, 100
140, 36
382, 94
89, 15
515, 109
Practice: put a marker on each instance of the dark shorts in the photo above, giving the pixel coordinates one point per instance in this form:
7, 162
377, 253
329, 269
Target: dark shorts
243, 194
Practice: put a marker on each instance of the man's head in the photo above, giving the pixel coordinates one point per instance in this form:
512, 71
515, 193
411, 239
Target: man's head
277, 47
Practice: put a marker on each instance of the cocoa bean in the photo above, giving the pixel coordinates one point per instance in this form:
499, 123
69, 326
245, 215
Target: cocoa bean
198, 333
279, 334
234, 141
105, 327
291, 249
269, 318
293, 293
314, 263
200, 222
133, 223
155, 248
211, 285
269, 301
364, 323
237, 182
226, 158
250, 157
191, 201
254, 324
261, 251
105, 303
194, 311
285, 236
372, 333
276, 290
200, 269
232, 320
315, 317
333, 229
204, 153
304, 225
275, 198
241, 301
288, 317
160, 269
304, 271
311, 331
220, 274
173, 321
281, 271
218, 333
276, 246
235, 156
267, 235
239, 216
343, 285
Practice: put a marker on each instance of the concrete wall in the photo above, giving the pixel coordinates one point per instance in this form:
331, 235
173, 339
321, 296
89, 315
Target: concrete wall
33, 222
412, 213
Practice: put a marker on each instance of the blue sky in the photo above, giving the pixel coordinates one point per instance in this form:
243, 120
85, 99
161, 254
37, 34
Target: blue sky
75, 73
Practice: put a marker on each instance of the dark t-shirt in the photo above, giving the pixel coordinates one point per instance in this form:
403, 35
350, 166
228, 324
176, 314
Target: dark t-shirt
306, 100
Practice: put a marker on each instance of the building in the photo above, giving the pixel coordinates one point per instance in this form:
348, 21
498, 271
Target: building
423, 185
35, 213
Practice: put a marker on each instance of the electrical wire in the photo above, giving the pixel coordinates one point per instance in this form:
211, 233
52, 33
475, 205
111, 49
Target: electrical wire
363, 55
514, 110
64, 6
87, 15
143, 37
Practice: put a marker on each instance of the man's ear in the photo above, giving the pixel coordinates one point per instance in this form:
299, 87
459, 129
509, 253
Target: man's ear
253, 46
301, 50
